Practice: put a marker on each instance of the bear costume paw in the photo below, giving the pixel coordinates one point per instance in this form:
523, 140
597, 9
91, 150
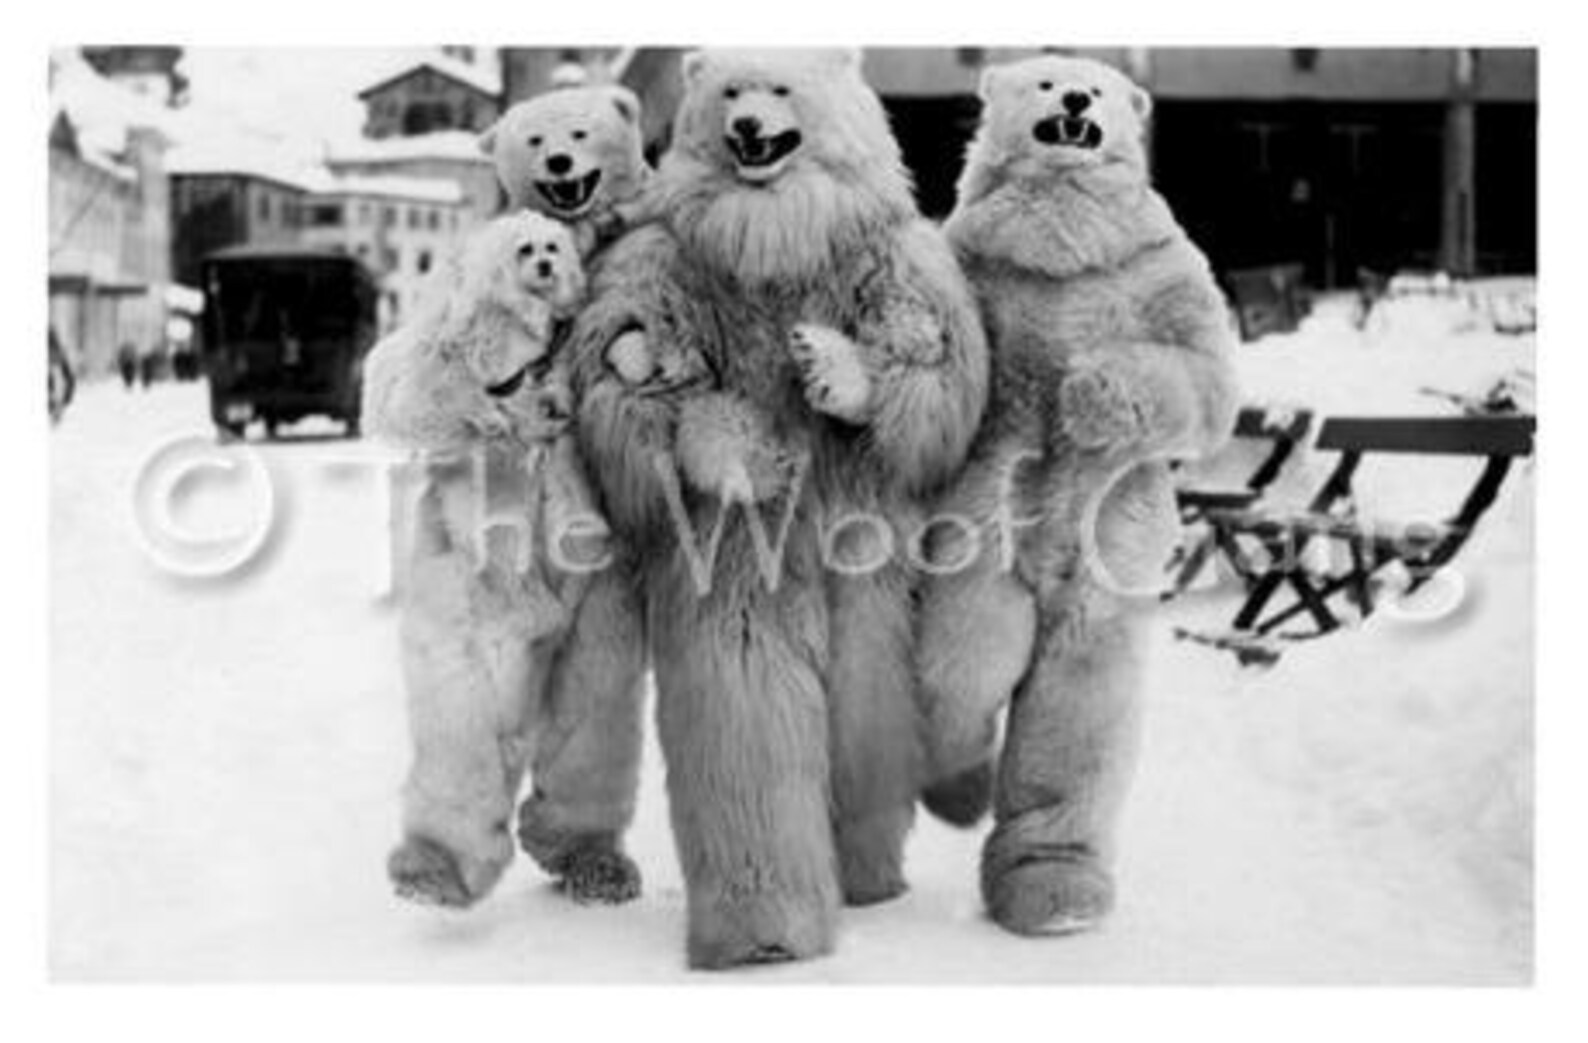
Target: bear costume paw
1048, 897
629, 356
599, 874
836, 382
427, 873
751, 930
1099, 409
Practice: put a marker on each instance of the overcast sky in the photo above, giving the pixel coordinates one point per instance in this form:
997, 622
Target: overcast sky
303, 94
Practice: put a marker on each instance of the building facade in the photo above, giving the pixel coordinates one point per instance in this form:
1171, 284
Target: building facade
436, 94
401, 228
450, 157
1338, 159
220, 207
109, 245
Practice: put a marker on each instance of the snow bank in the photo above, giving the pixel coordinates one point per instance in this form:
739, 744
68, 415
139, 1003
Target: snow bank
225, 758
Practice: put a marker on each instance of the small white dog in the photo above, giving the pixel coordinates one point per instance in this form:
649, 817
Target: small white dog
516, 658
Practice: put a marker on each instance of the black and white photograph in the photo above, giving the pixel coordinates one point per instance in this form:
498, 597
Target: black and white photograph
1015, 510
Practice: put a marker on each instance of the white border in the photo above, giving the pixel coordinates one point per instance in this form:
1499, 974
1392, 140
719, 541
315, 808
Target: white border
1552, 1010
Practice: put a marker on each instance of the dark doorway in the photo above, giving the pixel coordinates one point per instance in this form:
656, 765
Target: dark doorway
1507, 188
1332, 186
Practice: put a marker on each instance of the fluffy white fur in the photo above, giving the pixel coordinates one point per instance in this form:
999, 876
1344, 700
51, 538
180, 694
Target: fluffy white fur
1110, 344
831, 327
501, 675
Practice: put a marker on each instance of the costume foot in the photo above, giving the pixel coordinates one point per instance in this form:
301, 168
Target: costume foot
1048, 897
599, 875
758, 931
426, 873
961, 800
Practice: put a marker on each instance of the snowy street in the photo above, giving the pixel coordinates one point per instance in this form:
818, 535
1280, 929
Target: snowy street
225, 755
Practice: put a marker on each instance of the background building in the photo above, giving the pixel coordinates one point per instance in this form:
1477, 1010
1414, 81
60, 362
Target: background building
450, 157
220, 205
1337, 159
399, 227
440, 92
109, 260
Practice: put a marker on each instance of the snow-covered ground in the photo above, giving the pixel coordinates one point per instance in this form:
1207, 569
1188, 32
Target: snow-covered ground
225, 756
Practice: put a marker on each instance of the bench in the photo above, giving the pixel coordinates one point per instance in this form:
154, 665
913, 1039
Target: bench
1284, 431
1285, 538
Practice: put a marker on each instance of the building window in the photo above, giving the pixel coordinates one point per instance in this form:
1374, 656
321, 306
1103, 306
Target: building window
434, 218
415, 218
325, 215
422, 262
264, 208
389, 258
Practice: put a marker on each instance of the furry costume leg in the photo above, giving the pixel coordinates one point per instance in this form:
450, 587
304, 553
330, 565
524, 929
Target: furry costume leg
587, 755
975, 631
875, 731
1067, 762
743, 723
467, 702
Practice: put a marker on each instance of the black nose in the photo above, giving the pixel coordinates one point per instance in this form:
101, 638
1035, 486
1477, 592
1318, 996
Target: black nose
1077, 102
543, 268
559, 163
747, 127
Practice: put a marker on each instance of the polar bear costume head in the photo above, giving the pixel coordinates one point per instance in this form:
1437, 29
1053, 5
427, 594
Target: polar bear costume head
782, 160
1056, 176
1049, 117
569, 152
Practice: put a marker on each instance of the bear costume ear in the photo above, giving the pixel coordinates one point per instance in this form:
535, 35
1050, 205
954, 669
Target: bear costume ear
845, 59
1140, 101
626, 102
991, 79
694, 65
487, 140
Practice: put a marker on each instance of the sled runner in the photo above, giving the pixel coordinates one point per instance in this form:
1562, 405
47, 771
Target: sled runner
1202, 509
1288, 545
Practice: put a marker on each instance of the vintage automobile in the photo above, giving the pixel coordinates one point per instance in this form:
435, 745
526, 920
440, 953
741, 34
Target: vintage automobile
285, 333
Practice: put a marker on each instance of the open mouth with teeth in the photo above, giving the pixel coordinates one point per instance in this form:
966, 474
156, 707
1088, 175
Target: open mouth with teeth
1070, 131
761, 154
570, 195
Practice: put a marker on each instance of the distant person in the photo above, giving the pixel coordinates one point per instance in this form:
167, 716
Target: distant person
127, 365
151, 365
63, 384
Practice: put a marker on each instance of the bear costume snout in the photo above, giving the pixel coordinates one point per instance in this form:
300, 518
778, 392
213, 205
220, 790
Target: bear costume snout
568, 196
1071, 131
754, 151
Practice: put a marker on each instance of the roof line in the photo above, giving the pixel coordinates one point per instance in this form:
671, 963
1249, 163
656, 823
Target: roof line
424, 63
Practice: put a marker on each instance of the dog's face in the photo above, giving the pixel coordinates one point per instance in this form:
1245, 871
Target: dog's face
562, 152
525, 264
545, 261
1062, 112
